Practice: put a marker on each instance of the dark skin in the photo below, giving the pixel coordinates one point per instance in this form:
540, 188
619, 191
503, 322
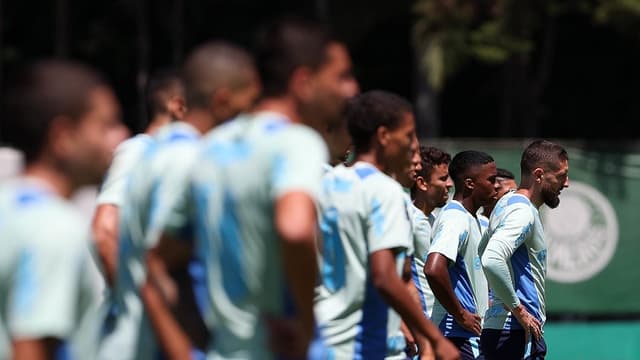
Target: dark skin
473, 192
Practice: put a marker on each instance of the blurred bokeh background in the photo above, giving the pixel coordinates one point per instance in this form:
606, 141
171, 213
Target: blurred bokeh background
483, 74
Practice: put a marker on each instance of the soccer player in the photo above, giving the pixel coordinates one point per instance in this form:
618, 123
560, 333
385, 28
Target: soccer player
220, 81
514, 256
507, 181
66, 121
165, 103
253, 196
366, 234
453, 265
430, 191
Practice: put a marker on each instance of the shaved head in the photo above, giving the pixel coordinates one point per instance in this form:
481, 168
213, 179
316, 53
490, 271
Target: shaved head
215, 65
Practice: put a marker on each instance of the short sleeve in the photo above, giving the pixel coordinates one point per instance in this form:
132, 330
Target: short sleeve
450, 234
421, 235
388, 222
126, 156
298, 162
48, 283
172, 208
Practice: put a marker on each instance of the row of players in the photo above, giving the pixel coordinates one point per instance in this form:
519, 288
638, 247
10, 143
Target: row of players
216, 247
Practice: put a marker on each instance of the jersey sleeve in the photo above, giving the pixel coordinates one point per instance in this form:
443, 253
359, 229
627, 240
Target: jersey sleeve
514, 227
421, 235
450, 234
388, 223
48, 282
172, 201
113, 188
298, 162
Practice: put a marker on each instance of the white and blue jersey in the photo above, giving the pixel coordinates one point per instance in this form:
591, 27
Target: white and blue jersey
514, 258
362, 211
127, 155
152, 188
45, 283
245, 167
456, 235
421, 226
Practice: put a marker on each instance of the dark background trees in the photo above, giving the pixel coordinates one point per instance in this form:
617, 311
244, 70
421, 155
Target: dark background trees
475, 68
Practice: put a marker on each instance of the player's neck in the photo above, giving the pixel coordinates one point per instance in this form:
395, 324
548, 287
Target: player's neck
283, 105
201, 120
56, 180
467, 203
533, 195
157, 122
424, 206
370, 157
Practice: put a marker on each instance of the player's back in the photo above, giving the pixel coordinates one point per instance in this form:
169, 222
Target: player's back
361, 211
45, 285
244, 167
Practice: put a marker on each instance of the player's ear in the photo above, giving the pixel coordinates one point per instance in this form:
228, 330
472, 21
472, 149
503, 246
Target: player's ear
61, 137
421, 184
382, 134
469, 184
537, 174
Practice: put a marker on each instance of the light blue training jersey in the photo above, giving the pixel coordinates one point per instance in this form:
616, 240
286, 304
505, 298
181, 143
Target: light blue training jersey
362, 211
422, 227
245, 167
125, 159
456, 235
45, 278
514, 258
151, 190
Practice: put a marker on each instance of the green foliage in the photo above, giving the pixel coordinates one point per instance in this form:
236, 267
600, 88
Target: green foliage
449, 33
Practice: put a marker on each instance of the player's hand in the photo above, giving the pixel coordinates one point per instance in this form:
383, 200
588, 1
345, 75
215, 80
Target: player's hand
445, 350
287, 338
470, 321
531, 325
425, 351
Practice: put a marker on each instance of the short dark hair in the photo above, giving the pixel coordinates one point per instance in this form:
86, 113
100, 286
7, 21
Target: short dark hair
504, 173
213, 65
370, 110
542, 153
430, 157
463, 163
159, 88
43, 91
286, 44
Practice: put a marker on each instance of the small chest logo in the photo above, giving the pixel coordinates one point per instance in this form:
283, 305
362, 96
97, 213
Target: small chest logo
581, 234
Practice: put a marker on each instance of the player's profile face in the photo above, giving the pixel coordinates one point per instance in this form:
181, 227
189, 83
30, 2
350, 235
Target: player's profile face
401, 144
486, 185
553, 182
96, 136
439, 185
334, 84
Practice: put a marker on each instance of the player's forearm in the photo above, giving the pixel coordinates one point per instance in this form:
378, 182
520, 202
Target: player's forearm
438, 277
299, 259
34, 349
499, 277
395, 293
105, 235
173, 339
295, 222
